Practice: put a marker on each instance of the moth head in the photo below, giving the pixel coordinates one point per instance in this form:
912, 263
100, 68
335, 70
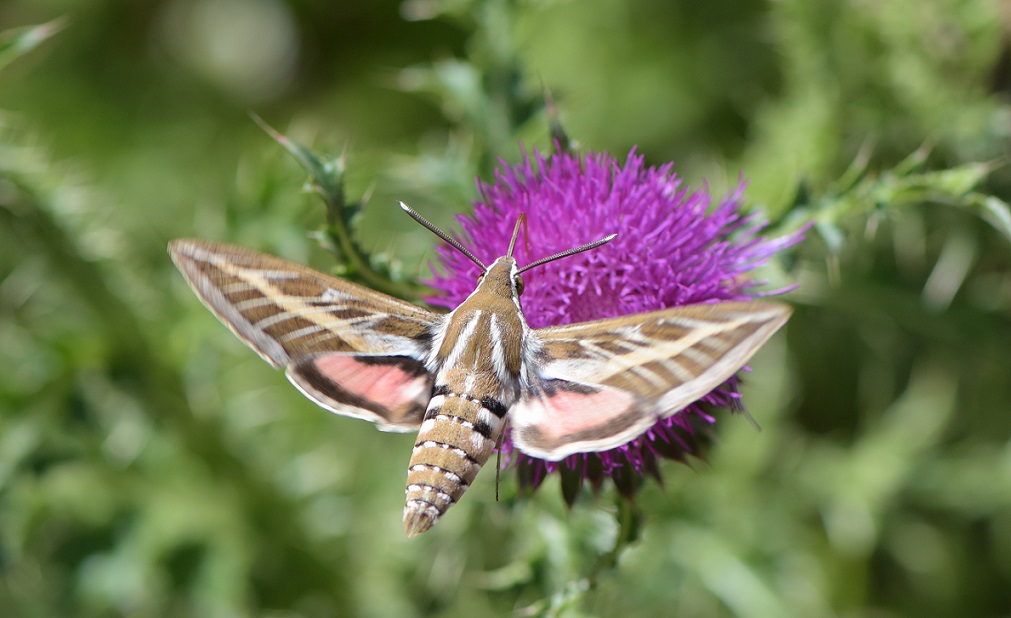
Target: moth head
517, 280
502, 278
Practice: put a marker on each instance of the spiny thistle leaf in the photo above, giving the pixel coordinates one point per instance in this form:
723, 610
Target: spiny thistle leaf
326, 176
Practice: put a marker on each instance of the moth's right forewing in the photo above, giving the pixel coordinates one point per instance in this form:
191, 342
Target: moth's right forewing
676, 354
287, 312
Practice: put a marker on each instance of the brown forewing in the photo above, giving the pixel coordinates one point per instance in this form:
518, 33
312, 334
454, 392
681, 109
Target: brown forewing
286, 311
651, 354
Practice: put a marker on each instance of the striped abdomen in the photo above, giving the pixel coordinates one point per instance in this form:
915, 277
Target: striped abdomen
457, 437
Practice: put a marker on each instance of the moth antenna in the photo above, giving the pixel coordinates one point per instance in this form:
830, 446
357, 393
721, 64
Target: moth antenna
567, 253
443, 235
516, 234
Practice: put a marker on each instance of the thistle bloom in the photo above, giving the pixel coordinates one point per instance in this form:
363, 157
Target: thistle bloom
674, 247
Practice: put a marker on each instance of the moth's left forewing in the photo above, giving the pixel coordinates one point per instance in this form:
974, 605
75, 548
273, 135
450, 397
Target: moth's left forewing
603, 383
286, 311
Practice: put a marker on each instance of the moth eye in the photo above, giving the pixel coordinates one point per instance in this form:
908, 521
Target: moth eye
519, 285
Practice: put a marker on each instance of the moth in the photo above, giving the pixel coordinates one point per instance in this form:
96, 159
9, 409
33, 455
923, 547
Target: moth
459, 378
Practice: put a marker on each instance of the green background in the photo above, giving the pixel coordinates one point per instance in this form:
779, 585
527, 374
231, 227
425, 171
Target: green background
151, 465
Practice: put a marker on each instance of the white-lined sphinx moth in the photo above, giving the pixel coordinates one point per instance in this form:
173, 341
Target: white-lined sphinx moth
459, 377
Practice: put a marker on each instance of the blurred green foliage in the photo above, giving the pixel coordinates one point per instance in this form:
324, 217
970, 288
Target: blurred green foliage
150, 465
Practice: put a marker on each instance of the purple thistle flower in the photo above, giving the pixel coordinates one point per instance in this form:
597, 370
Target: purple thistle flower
673, 248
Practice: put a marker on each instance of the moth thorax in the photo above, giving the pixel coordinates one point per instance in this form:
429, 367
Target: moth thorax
455, 441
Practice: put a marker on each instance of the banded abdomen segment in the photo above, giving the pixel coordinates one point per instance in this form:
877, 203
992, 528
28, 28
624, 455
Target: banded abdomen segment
457, 437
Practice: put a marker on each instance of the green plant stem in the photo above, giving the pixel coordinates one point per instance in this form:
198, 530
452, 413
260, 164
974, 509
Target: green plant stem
339, 234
